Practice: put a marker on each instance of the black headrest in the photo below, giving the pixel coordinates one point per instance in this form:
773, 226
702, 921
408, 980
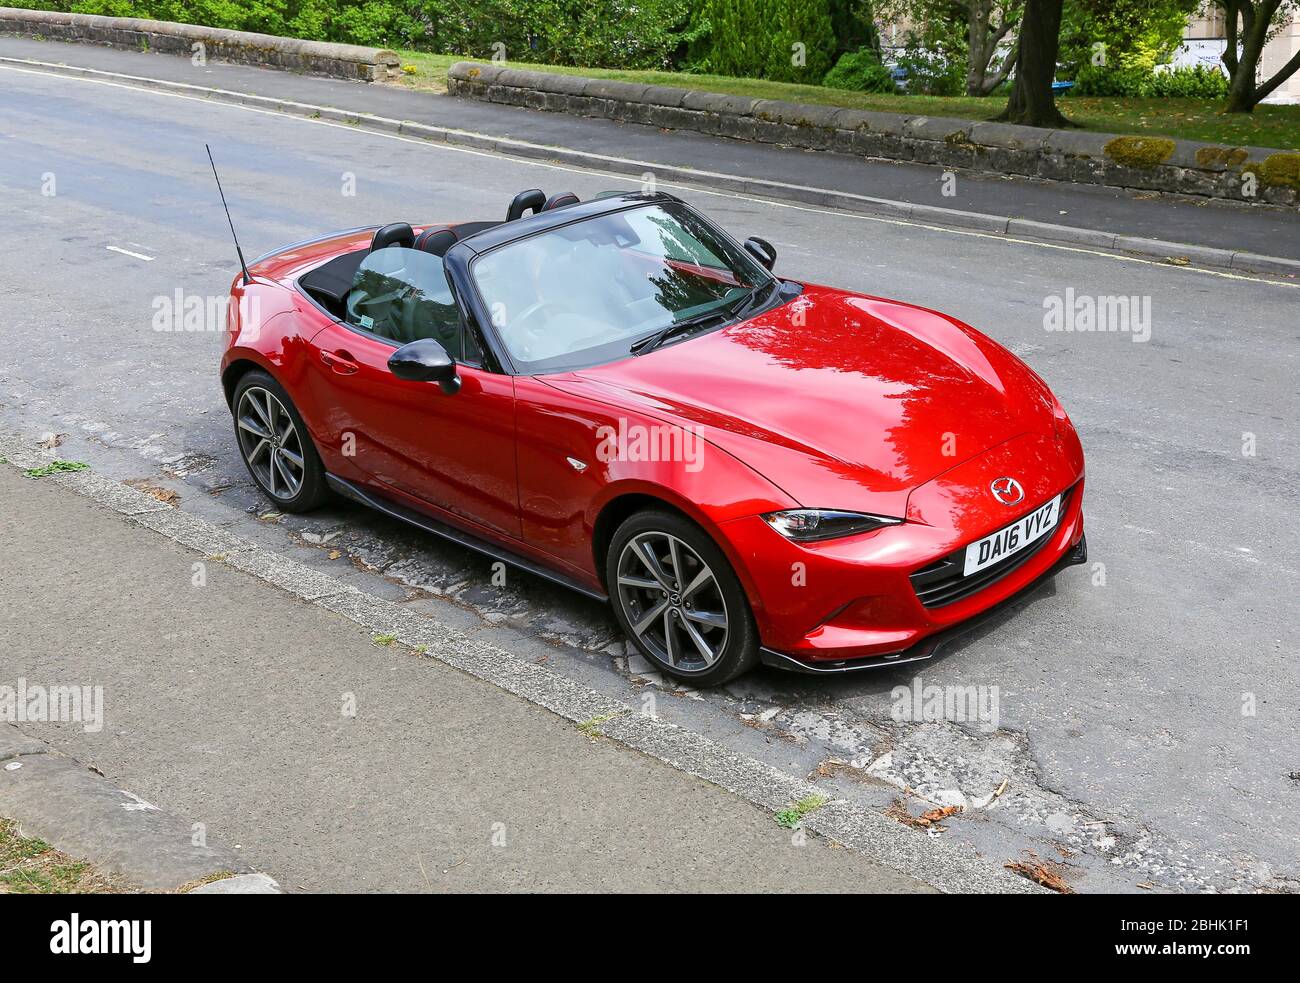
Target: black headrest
436, 241
534, 200
397, 234
561, 201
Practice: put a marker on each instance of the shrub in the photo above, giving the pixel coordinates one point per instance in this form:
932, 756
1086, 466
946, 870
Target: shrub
860, 71
600, 33
1189, 82
1102, 80
1184, 82
934, 72
757, 38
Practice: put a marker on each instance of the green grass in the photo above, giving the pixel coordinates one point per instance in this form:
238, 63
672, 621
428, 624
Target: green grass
1189, 119
790, 818
32, 866
591, 728
55, 467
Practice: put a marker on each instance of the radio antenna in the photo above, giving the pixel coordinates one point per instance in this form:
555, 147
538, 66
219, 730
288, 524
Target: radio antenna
242, 265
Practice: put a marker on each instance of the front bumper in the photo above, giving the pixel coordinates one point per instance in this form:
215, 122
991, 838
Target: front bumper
854, 600
934, 644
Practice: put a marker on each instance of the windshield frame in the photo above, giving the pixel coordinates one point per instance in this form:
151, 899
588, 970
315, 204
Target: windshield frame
462, 271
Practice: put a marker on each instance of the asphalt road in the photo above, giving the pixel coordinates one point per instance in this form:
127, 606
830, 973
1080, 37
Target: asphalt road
1271, 232
1148, 703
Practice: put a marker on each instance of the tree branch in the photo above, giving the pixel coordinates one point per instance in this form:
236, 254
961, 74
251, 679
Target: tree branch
1004, 71
1230, 52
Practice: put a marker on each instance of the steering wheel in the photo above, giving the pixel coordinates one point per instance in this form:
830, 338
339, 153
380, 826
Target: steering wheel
526, 335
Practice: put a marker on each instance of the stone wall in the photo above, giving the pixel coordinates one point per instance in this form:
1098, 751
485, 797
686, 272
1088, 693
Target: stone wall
1139, 163
347, 61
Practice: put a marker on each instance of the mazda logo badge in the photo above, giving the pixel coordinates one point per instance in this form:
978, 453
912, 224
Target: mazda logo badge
1007, 491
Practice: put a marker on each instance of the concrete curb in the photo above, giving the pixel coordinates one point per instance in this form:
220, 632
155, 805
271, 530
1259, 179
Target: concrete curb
240, 884
80, 812
1185, 167
882, 209
949, 867
348, 61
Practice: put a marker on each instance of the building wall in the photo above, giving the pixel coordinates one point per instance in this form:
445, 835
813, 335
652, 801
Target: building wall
1206, 39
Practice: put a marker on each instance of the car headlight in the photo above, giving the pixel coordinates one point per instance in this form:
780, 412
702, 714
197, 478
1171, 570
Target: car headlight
812, 525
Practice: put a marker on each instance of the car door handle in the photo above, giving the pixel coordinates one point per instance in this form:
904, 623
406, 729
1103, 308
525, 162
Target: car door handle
340, 362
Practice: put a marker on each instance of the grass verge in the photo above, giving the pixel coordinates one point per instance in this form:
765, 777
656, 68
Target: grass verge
32, 866
1188, 119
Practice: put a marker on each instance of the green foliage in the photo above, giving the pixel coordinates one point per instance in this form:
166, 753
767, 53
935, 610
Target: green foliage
790, 818
936, 71
1186, 82
1122, 34
1098, 80
860, 71
935, 47
55, 467
854, 26
604, 33
784, 40
1189, 82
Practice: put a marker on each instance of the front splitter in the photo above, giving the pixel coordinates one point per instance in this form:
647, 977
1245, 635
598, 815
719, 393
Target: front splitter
928, 647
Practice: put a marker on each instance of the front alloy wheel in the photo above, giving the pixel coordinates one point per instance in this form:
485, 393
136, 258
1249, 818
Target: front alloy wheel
678, 599
672, 601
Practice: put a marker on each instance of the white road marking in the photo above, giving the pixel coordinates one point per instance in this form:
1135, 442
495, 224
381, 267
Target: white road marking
127, 252
651, 167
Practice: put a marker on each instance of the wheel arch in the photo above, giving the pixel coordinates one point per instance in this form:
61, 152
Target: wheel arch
235, 371
626, 503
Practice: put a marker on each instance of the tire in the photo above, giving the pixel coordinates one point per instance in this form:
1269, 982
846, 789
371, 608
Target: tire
679, 622
285, 466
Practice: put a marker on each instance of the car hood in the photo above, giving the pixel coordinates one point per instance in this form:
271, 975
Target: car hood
841, 400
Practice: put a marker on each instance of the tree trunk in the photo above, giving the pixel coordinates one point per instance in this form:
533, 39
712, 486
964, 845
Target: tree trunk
1241, 92
1245, 91
1032, 102
977, 37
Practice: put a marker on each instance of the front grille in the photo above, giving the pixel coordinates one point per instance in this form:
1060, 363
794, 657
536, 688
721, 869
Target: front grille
944, 583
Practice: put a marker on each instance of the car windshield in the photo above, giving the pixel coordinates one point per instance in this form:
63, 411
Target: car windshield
585, 293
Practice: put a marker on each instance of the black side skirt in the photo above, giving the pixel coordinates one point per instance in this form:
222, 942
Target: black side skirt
397, 511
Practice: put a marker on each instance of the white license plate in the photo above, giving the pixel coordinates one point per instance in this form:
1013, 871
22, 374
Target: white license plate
1013, 538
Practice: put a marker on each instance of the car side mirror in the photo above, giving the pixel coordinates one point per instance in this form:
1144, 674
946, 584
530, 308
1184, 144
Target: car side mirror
761, 250
426, 361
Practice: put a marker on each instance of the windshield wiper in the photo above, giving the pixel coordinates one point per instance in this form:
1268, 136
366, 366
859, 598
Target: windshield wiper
725, 312
756, 299
653, 341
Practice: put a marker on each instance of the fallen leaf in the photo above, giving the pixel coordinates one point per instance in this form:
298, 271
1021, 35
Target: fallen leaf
1039, 874
934, 815
164, 495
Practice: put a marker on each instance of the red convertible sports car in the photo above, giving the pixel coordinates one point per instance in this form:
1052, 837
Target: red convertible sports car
617, 396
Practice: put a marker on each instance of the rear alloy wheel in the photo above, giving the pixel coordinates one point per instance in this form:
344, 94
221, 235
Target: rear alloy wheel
679, 601
275, 447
